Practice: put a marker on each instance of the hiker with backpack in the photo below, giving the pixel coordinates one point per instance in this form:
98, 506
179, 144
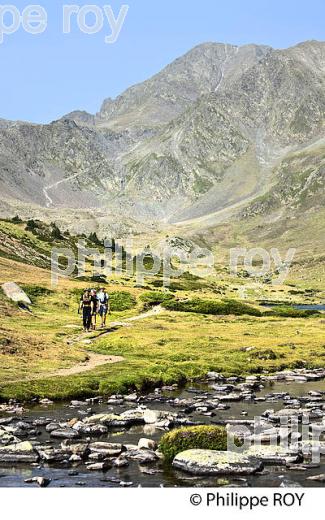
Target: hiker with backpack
104, 305
86, 305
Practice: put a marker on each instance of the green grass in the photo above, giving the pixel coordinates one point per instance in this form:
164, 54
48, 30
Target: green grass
178, 347
192, 336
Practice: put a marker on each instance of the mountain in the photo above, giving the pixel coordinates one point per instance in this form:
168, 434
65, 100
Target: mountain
223, 134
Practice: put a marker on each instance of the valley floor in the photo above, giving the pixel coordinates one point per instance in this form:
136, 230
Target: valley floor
39, 352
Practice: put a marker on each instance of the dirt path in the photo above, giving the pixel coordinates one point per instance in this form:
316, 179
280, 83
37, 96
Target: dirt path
93, 360
116, 324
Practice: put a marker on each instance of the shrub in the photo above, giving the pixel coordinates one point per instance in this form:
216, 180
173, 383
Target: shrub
199, 306
16, 220
193, 437
36, 291
291, 312
152, 298
121, 301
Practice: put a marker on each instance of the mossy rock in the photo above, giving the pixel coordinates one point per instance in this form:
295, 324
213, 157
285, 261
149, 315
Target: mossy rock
193, 437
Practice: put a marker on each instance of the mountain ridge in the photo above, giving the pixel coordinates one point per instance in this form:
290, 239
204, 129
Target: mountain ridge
210, 134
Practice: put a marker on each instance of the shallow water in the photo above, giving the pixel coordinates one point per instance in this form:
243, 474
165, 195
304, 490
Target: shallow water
302, 306
159, 474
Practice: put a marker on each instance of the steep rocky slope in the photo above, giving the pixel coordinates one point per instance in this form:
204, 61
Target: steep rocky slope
222, 133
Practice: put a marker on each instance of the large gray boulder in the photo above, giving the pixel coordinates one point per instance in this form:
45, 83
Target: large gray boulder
213, 462
15, 293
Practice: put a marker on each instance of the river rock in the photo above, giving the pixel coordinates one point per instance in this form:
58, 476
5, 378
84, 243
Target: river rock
213, 462
120, 462
317, 478
106, 449
78, 448
7, 437
50, 427
41, 481
215, 376
147, 444
64, 433
131, 398
159, 417
133, 417
93, 430
142, 456
311, 447
100, 466
111, 420
20, 452
231, 397
274, 454
53, 454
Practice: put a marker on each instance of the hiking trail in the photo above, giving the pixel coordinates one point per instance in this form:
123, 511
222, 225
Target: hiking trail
93, 360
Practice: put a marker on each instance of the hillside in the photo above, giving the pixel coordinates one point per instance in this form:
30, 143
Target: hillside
223, 134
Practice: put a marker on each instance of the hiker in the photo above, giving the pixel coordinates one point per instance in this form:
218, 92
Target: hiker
86, 305
95, 301
104, 306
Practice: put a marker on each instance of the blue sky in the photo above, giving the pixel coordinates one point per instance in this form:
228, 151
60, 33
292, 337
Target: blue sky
45, 76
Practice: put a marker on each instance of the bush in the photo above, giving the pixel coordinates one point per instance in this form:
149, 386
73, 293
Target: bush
55, 232
121, 301
36, 291
193, 437
291, 312
16, 220
152, 298
199, 306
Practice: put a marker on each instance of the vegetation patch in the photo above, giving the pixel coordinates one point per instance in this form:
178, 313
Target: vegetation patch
153, 298
193, 437
36, 291
291, 312
122, 301
224, 307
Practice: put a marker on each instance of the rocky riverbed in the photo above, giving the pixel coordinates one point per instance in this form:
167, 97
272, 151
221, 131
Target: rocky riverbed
114, 442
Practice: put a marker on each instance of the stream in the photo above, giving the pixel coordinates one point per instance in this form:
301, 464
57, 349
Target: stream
271, 395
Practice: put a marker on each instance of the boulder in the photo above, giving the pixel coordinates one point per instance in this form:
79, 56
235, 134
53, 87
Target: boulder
147, 444
15, 293
317, 478
65, 433
20, 452
41, 481
78, 448
213, 462
274, 454
120, 462
106, 449
142, 456
100, 466
159, 417
53, 454
113, 420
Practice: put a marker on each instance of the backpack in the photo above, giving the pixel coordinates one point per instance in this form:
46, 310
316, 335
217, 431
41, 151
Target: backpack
103, 300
